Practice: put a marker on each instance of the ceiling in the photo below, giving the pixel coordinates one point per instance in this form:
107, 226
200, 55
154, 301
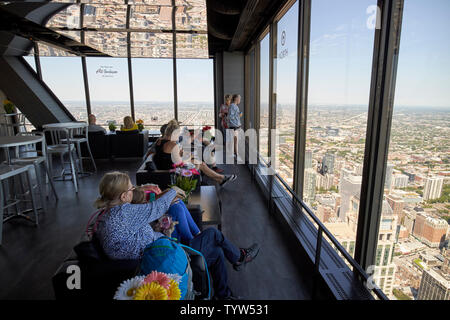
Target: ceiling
137, 28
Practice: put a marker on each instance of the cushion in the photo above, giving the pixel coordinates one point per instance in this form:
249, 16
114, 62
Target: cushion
127, 132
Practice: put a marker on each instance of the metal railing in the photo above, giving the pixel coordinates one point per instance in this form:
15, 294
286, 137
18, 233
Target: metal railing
321, 230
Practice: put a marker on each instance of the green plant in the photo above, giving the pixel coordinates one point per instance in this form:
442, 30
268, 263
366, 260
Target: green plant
9, 106
112, 127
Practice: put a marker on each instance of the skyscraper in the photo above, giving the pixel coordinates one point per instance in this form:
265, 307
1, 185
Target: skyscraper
388, 179
435, 285
350, 186
309, 191
433, 188
308, 159
328, 163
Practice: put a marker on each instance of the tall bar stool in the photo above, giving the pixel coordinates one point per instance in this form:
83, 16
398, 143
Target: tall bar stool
61, 143
80, 135
11, 171
31, 155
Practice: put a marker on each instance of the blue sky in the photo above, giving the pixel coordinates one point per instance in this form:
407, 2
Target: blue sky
340, 62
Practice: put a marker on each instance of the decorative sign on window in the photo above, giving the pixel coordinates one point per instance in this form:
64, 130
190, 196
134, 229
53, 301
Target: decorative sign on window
106, 72
284, 50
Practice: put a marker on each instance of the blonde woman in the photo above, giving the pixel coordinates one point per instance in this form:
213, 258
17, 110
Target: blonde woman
128, 124
168, 153
122, 228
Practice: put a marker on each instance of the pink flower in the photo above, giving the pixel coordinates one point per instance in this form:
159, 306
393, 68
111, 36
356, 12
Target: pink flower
194, 171
186, 173
161, 278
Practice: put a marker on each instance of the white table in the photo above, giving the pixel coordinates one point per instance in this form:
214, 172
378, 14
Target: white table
66, 125
16, 141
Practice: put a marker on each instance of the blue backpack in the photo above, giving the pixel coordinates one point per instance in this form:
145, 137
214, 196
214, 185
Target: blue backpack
168, 256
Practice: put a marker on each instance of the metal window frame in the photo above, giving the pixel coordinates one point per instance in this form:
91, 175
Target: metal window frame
381, 103
303, 45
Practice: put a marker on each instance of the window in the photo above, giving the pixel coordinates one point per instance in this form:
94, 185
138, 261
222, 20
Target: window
264, 81
341, 49
109, 89
153, 91
285, 88
64, 76
195, 83
30, 60
420, 137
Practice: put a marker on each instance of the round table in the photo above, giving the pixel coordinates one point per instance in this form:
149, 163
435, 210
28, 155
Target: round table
66, 125
15, 141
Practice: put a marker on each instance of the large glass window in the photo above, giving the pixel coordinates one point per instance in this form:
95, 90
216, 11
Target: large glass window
285, 88
264, 81
64, 76
341, 49
417, 184
195, 84
109, 89
153, 91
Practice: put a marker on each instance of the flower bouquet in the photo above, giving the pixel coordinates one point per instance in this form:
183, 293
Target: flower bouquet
9, 106
140, 124
154, 286
185, 179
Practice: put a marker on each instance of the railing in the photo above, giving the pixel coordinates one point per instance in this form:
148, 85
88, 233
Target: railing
321, 230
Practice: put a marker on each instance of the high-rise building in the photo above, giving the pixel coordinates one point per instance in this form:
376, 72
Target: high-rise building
328, 163
308, 159
324, 181
400, 180
309, 190
350, 186
429, 230
388, 178
435, 285
397, 204
345, 233
433, 188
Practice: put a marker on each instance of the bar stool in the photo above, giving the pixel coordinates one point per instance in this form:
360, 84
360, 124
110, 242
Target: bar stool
9, 123
10, 171
35, 157
80, 135
61, 143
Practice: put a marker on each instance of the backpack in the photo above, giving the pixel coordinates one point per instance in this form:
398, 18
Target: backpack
168, 256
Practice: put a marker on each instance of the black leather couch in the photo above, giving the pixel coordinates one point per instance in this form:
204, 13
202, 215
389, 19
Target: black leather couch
122, 144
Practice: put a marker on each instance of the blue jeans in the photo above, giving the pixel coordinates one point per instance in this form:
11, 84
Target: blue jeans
216, 248
186, 229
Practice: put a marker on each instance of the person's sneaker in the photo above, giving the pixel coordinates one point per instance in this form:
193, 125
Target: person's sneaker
217, 169
227, 179
247, 255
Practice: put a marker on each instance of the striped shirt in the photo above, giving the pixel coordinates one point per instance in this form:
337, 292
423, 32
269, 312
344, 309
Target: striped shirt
124, 231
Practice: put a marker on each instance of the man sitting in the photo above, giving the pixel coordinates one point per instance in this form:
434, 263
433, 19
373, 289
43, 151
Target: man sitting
93, 127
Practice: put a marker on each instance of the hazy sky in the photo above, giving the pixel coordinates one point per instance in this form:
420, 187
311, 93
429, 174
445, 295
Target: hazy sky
340, 62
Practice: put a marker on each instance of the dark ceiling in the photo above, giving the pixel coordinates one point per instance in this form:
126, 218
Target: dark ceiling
232, 25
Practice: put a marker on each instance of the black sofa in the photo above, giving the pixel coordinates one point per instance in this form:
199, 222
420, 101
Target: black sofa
132, 144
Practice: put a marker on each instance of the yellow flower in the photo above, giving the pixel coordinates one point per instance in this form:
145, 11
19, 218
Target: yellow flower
140, 121
152, 291
173, 292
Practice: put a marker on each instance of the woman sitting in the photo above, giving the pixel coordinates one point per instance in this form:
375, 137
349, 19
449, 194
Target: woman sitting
122, 228
129, 125
168, 153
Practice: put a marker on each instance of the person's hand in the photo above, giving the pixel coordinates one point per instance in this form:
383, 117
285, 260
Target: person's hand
168, 232
180, 192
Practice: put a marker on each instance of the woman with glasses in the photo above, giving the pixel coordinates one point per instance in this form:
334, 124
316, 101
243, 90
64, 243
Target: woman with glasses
123, 228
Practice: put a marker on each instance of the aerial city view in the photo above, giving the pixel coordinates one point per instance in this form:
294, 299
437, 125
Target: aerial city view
416, 207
